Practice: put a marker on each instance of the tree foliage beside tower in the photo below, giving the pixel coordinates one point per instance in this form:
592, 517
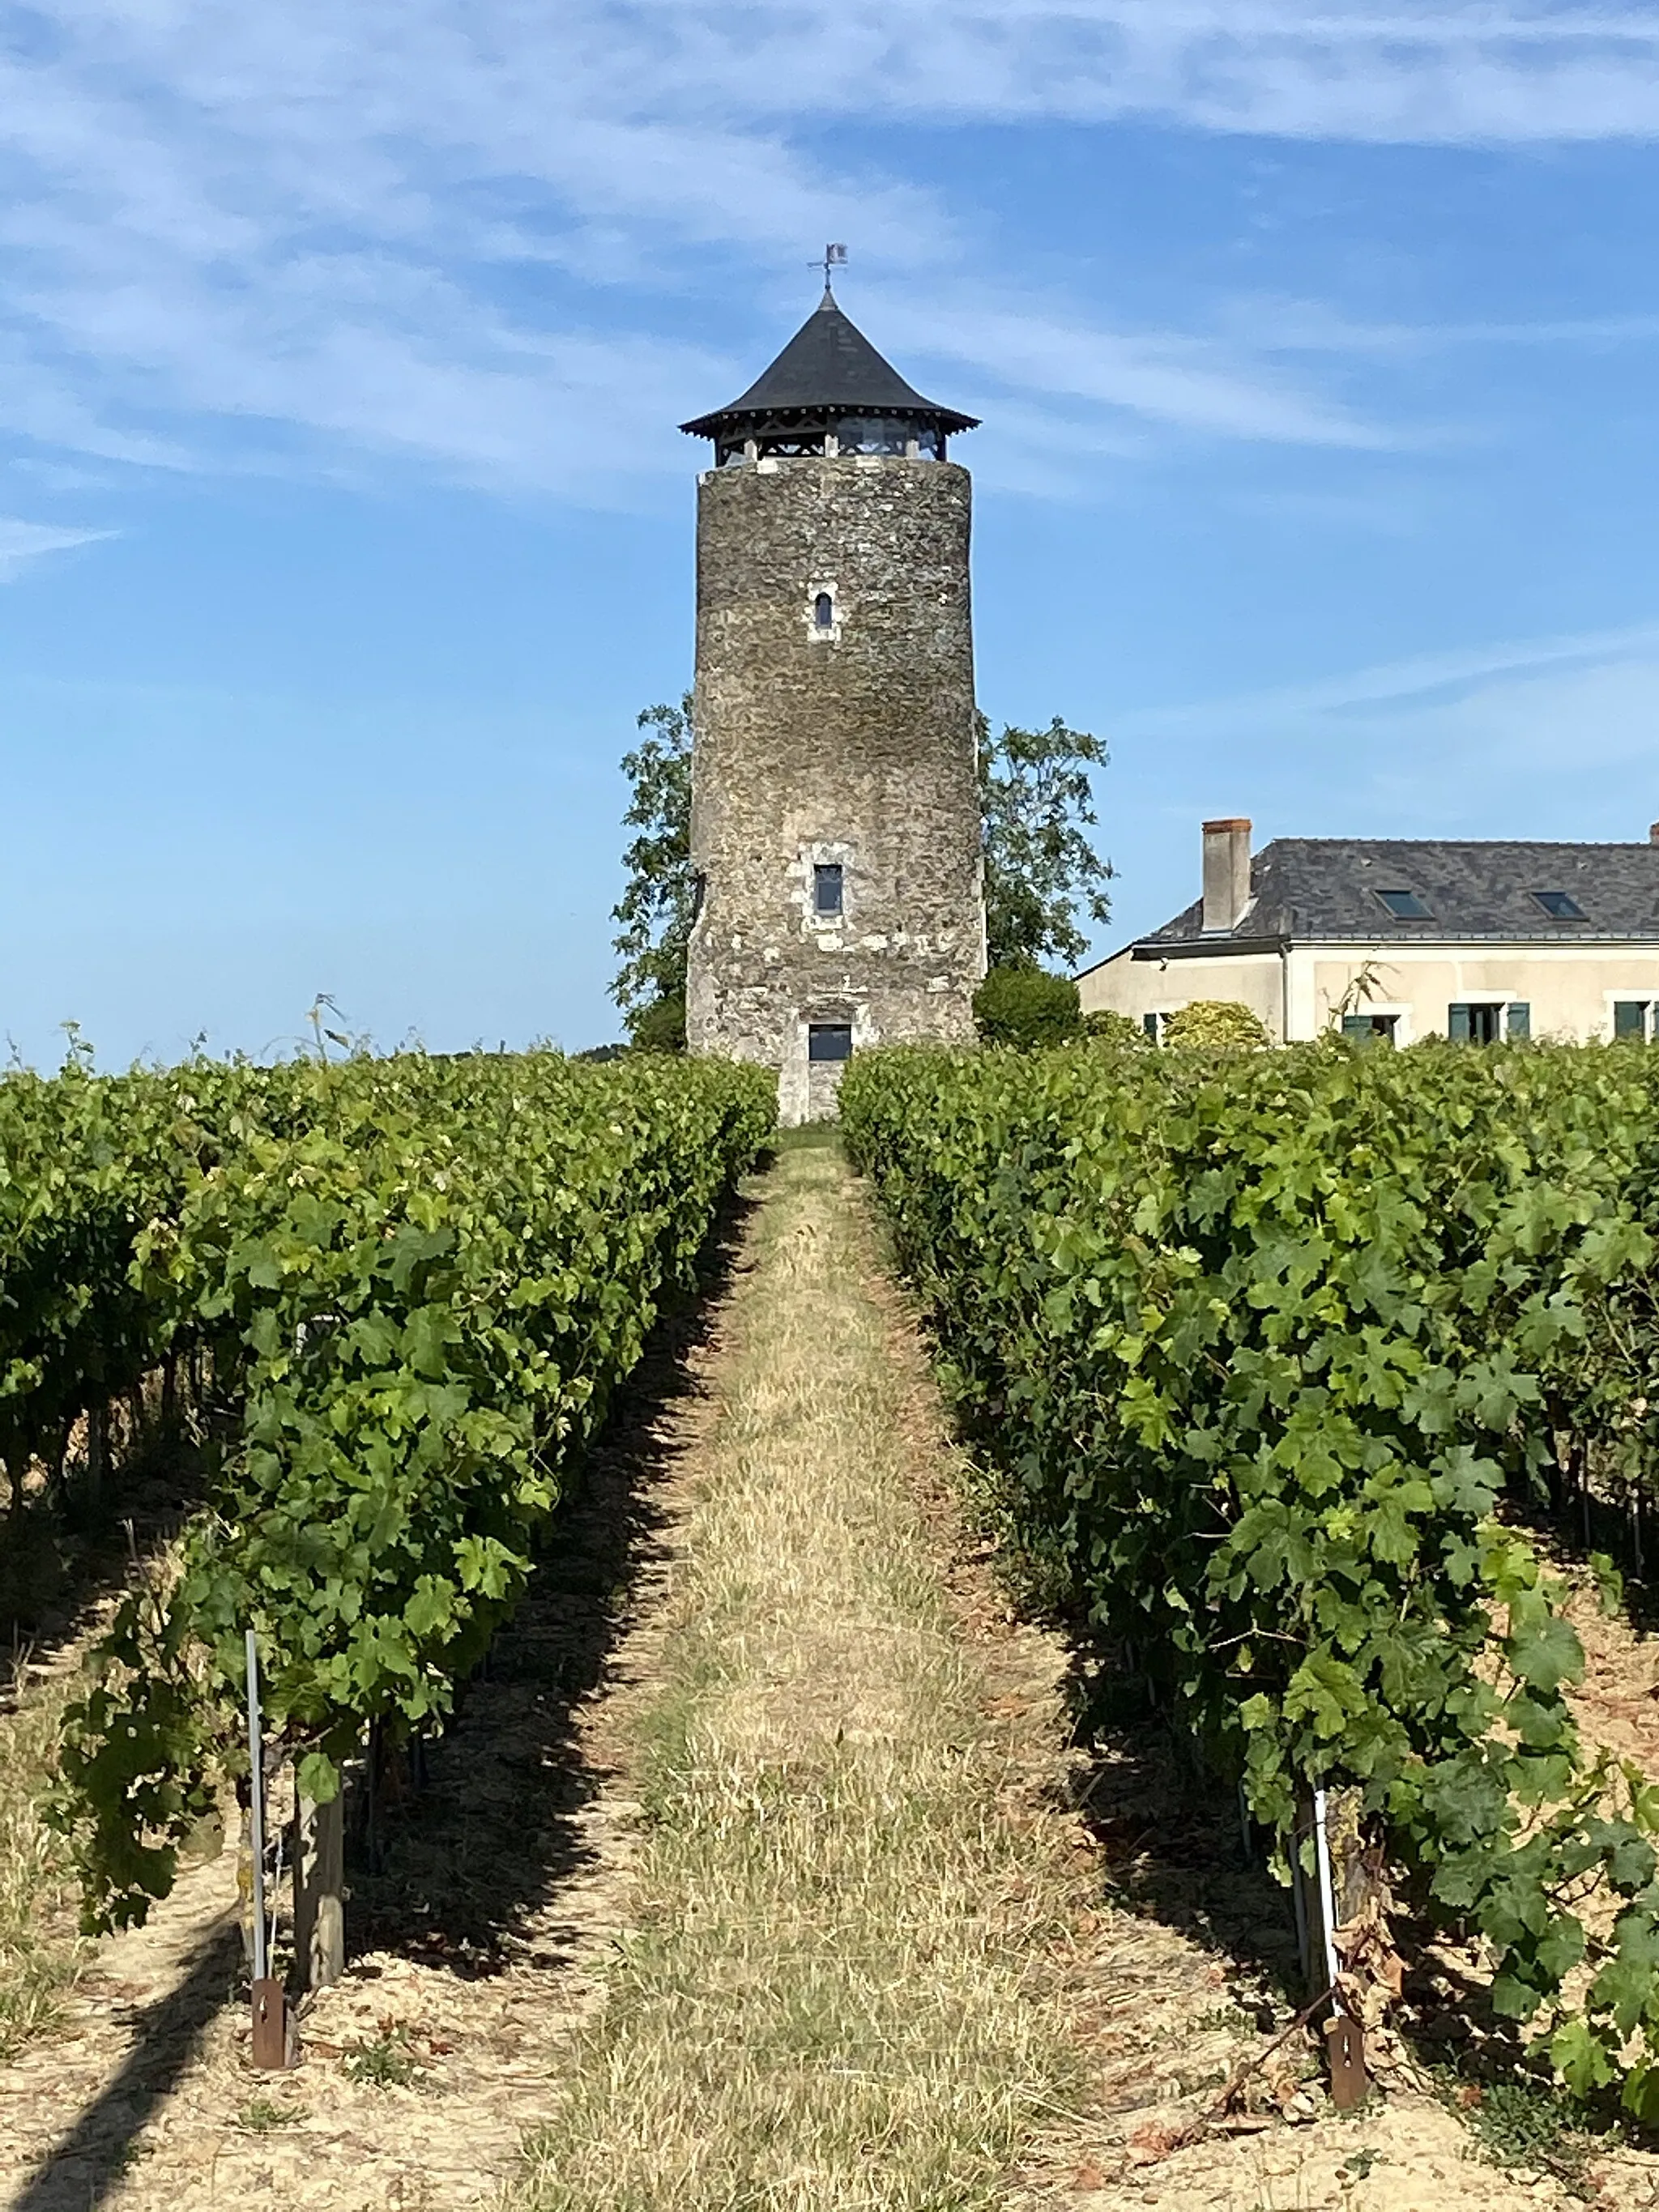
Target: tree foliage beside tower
1042, 873
657, 910
1025, 1005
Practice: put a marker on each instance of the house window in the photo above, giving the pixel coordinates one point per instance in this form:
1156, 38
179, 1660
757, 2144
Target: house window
1489, 1021
1370, 1029
1405, 906
1560, 906
1633, 1018
827, 888
823, 611
1153, 1025
829, 1041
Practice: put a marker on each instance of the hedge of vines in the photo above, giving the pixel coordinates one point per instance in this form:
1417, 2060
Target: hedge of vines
416, 1283
1264, 1338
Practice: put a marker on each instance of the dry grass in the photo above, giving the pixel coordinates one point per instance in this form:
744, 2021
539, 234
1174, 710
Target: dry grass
39, 1952
840, 1990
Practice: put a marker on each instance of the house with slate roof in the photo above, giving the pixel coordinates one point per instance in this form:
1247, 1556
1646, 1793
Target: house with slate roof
1402, 937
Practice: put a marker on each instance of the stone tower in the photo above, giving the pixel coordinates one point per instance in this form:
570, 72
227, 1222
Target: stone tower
834, 817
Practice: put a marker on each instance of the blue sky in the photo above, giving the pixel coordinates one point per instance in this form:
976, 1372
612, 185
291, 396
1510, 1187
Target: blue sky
344, 527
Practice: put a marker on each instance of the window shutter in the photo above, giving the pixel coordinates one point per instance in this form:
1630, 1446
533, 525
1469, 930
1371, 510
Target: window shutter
1457, 1024
1357, 1026
1628, 1018
1518, 1019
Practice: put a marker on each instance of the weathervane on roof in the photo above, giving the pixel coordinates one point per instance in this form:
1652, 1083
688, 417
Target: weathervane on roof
835, 257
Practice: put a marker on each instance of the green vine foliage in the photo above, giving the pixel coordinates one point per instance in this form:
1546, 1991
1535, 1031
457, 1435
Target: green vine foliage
1265, 1340
419, 1282
85, 1162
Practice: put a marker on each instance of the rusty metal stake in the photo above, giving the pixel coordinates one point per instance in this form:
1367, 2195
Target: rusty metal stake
1344, 2040
270, 2053
1346, 2044
270, 2047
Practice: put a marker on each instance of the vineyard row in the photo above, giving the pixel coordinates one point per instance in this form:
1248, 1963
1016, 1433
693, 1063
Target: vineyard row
408, 1290
1269, 1347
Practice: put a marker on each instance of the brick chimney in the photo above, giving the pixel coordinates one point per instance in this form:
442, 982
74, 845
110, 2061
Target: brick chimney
1653, 833
1226, 872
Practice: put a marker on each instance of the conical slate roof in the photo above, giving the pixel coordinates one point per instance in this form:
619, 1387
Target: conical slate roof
829, 367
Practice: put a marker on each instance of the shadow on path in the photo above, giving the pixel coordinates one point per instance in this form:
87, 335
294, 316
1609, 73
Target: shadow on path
459, 1875
85, 2164
1170, 1836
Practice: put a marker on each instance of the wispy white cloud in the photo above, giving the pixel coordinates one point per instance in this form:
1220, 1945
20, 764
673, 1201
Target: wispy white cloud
1543, 749
1292, 327
1544, 736
1418, 73
22, 542
1028, 344
316, 223
1422, 677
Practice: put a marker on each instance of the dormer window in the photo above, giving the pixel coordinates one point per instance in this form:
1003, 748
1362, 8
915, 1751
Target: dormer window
1405, 906
823, 611
1559, 906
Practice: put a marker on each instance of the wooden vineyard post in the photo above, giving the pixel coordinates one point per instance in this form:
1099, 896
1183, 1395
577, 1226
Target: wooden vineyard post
270, 2006
319, 1894
1327, 1900
97, 1452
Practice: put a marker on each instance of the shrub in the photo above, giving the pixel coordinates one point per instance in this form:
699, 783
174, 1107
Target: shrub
1027, 1007
1106, 1027
659, 1027
1216, 1025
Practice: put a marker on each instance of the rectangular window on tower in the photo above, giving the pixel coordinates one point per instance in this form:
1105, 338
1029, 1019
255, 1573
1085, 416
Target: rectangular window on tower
827, 888
830, 1040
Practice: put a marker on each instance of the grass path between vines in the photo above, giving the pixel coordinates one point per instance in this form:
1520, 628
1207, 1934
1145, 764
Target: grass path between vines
878, 1962
760, 1876
846, 1984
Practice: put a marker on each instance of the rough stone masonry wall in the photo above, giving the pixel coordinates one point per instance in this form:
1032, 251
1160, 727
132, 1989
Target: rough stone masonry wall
855, 746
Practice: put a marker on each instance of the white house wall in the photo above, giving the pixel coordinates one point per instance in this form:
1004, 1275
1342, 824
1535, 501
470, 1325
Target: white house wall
1137, 987
1570, 989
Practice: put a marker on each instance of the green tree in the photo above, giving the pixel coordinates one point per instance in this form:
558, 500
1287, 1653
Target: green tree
1027, 1006
1040, 871
657, 909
